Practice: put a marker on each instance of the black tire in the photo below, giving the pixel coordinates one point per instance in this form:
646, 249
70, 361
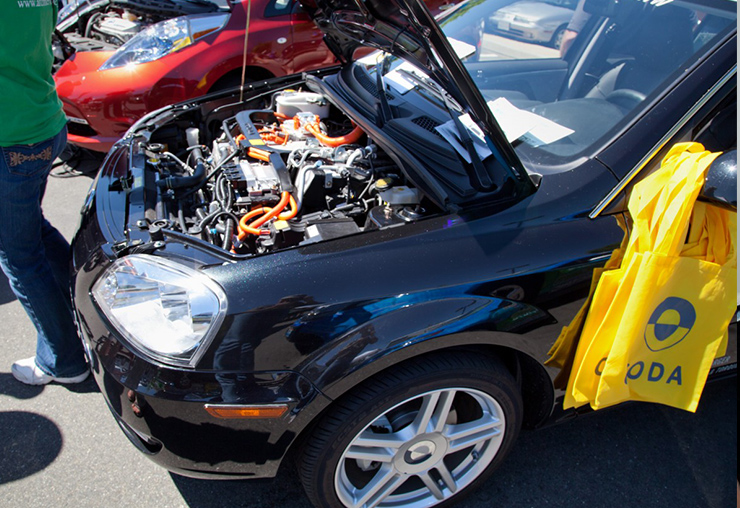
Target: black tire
426, 467
557, 37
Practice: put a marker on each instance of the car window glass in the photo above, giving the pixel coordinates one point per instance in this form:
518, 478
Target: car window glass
718, 131
617, 61
526, 29
714, 126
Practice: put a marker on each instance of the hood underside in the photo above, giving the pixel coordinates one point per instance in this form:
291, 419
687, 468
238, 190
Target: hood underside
407, 30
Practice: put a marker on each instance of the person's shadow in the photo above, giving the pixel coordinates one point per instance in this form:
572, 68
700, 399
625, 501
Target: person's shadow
36, 443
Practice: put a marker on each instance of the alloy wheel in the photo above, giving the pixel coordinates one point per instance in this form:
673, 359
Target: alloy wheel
421, 451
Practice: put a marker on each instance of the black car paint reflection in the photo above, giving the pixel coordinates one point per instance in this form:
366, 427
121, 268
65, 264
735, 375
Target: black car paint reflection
307, 349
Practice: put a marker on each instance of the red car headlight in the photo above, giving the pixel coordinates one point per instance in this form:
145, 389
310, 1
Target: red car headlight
164, 38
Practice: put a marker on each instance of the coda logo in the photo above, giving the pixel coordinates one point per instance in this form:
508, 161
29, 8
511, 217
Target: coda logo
670, 323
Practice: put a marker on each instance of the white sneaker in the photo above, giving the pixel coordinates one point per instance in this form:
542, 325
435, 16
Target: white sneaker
26, 371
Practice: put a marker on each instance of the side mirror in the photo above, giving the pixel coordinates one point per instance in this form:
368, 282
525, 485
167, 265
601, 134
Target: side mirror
720, 186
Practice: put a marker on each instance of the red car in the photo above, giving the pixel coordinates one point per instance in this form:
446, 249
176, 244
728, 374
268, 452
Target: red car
105, 92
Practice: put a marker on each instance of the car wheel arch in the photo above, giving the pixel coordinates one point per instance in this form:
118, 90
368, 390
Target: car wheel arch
526, 369
232, 78
535, 383
537, 392
389, 332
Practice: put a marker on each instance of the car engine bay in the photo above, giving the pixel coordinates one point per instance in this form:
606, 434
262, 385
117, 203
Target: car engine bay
260, 180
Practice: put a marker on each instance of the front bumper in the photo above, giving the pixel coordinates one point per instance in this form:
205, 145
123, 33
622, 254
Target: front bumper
89, 139
162, 412
103, 105
524, 30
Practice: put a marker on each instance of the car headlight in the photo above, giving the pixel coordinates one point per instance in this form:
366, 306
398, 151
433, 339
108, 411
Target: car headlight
164, 38
523, 20
165, 310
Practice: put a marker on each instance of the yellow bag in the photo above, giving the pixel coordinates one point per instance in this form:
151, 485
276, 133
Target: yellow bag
602, 321
655, 324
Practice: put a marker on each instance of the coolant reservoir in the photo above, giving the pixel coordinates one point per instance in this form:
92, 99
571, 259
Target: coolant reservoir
291, 103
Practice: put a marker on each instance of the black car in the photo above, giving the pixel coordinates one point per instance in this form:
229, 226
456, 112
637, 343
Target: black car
361, 270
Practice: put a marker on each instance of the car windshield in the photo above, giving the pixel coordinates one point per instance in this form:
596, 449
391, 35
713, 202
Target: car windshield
560, 76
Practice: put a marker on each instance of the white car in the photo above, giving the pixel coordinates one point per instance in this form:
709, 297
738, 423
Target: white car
543, 22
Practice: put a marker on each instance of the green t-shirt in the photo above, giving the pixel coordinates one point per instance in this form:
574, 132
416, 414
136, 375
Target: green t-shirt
30, 110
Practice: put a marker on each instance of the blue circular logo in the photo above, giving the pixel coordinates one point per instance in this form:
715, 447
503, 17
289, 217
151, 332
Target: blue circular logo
669, 324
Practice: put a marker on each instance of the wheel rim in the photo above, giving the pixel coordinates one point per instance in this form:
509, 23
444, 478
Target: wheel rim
558, 41
421, 451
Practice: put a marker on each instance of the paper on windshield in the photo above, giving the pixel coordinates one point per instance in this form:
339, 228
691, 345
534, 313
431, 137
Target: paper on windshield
449, 131
400, 83
461, 49
530, 127
509, 118
394, 78
372, 58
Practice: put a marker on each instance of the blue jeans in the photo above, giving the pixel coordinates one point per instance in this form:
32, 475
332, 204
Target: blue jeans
35, 256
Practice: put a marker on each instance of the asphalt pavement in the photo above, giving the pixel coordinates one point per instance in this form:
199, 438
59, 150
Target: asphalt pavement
60, 447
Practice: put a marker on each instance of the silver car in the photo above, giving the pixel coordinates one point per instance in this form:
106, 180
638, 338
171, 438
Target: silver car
540, 22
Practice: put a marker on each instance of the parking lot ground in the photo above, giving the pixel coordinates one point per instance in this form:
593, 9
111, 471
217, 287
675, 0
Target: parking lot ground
61, 448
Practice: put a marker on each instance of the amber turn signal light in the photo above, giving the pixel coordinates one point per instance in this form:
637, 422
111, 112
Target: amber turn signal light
241, 411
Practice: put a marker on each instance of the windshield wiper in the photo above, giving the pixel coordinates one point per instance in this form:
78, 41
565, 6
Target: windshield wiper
432, 87
384, 109
480, 179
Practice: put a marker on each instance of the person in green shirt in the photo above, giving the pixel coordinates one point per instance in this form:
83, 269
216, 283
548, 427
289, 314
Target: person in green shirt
33, 254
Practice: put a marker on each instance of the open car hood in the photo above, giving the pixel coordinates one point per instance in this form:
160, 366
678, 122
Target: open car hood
406, 29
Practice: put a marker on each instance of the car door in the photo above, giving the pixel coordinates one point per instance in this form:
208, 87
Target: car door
712, 121
271, 36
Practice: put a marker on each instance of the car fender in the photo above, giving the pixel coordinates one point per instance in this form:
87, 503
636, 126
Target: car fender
234, 65
193, 77
392, 335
